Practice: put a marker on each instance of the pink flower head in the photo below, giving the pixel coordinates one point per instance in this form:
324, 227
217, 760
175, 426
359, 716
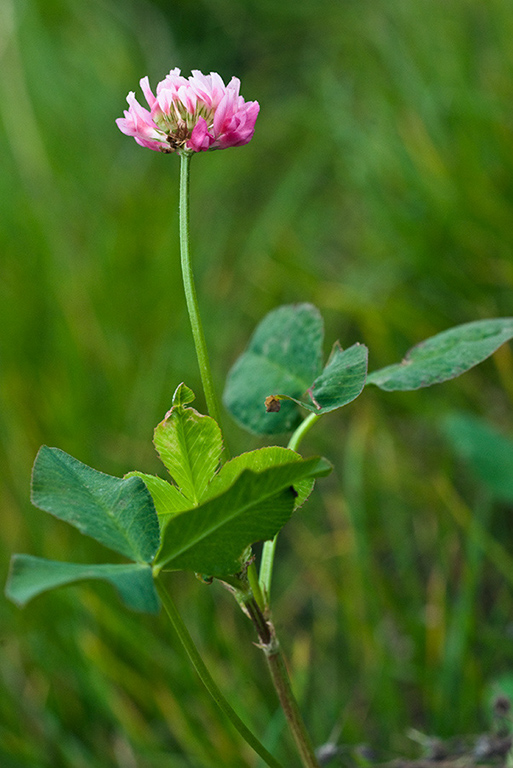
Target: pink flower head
190, 114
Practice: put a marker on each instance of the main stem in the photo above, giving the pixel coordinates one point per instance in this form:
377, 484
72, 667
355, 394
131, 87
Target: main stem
281, 680
190, 291
206, 678
269, 548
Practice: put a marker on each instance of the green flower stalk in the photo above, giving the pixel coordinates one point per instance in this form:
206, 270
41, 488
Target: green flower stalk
190, 290
190, 115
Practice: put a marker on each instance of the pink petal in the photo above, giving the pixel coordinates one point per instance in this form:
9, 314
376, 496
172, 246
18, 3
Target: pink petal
239, 129
172, 81
122, 124
188, 98
223, 113
218, 88
234, 85
202, 86
164, 102
148, 94
200, 139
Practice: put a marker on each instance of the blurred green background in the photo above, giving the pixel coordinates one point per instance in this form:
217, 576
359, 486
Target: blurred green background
379, 186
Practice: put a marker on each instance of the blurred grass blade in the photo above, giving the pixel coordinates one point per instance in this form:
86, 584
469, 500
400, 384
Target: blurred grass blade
495, 551
30, 576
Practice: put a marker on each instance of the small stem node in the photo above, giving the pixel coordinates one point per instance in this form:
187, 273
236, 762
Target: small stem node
270, 646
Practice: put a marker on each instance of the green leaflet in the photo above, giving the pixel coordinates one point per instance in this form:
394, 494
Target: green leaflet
283, 365
211, 537
283, 355
116, 512
257, 461
445, 356
189, 446
340, 383
30, 576
167, 498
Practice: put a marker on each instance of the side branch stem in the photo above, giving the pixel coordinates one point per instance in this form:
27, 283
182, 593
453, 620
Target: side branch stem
269, 548
206, 678
305, 426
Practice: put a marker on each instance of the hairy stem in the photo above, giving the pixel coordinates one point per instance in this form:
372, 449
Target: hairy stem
190, 291
206, 678
280, 677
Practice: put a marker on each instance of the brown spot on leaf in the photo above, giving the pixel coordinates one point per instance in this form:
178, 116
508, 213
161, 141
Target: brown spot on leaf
272, 404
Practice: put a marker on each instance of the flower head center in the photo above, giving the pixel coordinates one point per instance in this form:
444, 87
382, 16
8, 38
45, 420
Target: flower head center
178, 136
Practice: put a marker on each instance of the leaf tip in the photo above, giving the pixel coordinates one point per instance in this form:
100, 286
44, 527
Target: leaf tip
8, 589
325, 467
182, 396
